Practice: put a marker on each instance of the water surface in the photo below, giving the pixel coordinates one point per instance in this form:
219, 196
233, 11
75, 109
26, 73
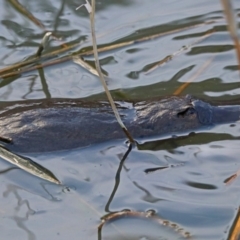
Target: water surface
181, 178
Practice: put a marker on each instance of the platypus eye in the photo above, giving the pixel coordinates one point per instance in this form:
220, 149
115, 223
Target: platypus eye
186, 112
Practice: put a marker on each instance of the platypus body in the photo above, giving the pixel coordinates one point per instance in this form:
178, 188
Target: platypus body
59, 124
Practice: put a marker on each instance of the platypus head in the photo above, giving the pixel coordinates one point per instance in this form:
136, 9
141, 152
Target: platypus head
203, 110
173, 114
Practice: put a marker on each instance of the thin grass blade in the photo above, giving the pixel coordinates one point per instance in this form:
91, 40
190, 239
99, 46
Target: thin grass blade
28, 165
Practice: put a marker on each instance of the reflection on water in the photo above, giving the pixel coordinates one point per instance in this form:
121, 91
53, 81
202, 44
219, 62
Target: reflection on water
22, 211
187, 188
182, 25
182, 178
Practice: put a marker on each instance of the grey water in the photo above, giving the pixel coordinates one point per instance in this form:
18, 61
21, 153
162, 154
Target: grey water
181, 178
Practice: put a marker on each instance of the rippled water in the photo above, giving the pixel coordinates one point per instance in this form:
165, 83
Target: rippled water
180, 178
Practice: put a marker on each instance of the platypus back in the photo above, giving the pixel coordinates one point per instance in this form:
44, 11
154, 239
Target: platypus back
58, 124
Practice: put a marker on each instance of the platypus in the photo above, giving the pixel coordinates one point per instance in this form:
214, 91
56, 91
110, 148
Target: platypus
59, 124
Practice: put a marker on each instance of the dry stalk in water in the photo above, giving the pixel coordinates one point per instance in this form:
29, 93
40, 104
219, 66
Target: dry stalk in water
91, 11
147, 215
232, 26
